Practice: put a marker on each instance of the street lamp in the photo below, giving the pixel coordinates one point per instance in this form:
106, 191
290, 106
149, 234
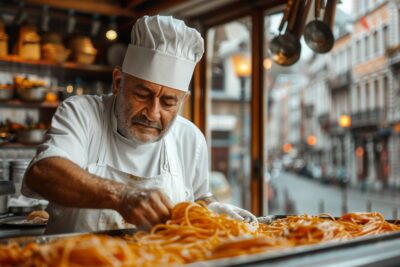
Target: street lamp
287, 148
311, 140
242, 68
344, 122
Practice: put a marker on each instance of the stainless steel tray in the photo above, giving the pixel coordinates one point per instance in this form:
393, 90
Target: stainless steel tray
48, 238
379, 250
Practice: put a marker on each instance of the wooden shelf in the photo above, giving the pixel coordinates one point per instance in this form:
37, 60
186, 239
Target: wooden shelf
12, 59
15, 103
18, 146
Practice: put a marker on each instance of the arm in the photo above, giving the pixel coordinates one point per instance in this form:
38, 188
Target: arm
65, 183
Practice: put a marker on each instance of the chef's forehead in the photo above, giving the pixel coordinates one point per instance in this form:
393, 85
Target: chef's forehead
133, 80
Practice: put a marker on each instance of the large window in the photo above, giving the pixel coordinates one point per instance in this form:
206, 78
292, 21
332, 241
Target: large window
329, 122
229, 120
367, 51
385, 36
358, 51
376, 43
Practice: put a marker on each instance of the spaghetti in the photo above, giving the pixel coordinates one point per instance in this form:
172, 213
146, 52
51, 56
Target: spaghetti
193, 234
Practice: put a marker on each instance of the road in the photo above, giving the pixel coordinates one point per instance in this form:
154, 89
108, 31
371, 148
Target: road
311, 197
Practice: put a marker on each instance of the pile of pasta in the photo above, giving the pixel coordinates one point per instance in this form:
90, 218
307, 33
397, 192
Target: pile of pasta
193, 234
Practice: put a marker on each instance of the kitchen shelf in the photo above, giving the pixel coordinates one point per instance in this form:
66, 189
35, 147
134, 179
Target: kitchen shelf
17, 146
65, 69
15, 103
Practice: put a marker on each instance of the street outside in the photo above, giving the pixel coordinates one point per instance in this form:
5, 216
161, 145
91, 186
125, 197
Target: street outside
299, 195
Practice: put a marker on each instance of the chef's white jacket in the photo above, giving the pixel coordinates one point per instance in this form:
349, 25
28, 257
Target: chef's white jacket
84, 128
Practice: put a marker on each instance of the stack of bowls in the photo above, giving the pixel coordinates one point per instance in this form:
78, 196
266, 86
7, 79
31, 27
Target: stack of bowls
18, 168
5, 185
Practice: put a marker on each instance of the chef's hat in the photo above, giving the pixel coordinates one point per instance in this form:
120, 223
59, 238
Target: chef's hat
163, 50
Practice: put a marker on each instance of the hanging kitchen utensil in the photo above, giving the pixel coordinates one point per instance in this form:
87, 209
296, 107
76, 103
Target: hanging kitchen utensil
318, 34
286, 48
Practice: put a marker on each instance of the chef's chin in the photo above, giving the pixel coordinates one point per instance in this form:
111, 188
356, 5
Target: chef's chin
144, 136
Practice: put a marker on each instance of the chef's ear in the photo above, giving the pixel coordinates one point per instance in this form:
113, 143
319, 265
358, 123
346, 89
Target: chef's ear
117, 80
186, 97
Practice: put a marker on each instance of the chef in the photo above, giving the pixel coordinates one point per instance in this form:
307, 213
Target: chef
126, 158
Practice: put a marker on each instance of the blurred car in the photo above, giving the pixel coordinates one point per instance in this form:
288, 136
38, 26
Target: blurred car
315, 170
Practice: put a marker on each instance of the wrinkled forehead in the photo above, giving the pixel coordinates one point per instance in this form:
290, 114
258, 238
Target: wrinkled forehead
133, 82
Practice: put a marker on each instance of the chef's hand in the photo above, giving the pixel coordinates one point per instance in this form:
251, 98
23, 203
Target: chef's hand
144, 207
232, 211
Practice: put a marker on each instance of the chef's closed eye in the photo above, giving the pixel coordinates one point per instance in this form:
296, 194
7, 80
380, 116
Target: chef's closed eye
142, 94
169, 101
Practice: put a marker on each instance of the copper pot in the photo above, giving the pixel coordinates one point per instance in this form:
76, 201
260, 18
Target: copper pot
31, 136
33, 94
6, 93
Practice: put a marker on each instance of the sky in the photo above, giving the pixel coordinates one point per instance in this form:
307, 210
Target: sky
346, 6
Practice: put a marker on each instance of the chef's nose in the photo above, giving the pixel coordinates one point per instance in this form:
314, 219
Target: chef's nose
154, 110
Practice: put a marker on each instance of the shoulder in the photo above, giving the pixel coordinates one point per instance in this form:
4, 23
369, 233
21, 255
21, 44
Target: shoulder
184, 129
85, 102
85, 107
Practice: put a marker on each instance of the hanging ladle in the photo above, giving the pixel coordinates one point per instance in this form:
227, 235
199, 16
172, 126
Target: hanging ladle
318, 34
285, 48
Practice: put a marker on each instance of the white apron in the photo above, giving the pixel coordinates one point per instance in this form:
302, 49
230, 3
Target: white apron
170, 180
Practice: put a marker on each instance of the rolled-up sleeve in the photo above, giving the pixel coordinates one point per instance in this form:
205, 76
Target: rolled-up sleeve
68, 136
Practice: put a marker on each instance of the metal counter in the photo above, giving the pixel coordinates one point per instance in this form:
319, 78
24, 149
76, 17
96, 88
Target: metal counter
380, 250
7, 231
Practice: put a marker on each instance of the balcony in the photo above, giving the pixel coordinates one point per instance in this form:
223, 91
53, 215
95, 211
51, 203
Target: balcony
340, 81
374, 117
393, 55
323, 120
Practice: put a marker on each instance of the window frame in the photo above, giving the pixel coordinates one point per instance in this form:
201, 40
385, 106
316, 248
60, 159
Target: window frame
200, 111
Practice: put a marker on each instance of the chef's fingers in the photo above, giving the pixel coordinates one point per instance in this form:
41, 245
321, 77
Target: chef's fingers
141, 222
159, 206
235, 216
150, 214
249, 217
167, 202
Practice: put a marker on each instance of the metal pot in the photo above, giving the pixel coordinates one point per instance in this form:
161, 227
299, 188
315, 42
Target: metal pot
6, 188
6, 93
34, 94
23, 210
32, 136
3, 204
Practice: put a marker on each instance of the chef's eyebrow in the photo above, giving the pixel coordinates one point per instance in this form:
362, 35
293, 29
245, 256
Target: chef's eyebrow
165, 96
144, 87
170, 97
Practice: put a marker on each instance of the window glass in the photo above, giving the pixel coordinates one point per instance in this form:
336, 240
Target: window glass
385, 36
376, 43
366, 47
358, 51
333, 127
229, 87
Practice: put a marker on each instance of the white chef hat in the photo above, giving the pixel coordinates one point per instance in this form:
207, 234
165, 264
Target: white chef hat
163, 50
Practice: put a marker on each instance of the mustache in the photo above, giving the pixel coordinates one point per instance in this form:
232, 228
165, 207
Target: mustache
144, 121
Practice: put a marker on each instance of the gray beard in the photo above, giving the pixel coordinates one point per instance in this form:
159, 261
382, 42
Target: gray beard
123, 129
